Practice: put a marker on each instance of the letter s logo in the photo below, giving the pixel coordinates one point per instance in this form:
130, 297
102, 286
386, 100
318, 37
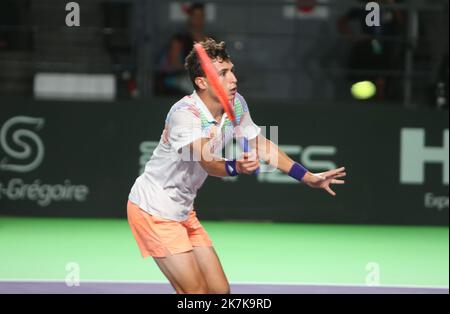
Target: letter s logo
21, 149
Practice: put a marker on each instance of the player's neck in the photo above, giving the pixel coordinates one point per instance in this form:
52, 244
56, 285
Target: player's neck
213, 105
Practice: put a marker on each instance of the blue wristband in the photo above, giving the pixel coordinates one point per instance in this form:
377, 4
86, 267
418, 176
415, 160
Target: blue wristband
297, 171
230, 167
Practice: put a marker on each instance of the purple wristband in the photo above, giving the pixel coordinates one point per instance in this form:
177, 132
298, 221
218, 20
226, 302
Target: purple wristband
230, 167
297, 171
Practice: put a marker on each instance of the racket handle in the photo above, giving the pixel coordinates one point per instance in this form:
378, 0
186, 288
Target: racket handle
246, 150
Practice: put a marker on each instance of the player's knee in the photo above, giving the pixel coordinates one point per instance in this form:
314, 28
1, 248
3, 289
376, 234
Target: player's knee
219, 289
199, 288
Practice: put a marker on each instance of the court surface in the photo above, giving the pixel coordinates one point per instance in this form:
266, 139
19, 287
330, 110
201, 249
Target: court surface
49, 255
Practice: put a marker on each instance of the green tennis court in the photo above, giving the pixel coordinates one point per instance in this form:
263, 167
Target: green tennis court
40, 249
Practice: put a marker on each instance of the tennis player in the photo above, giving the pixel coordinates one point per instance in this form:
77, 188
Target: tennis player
160, 208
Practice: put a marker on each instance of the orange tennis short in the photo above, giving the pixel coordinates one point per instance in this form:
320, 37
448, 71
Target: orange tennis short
160, 237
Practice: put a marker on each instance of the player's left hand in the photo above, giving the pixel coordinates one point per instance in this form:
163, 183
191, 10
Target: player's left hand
323, 180
248, 163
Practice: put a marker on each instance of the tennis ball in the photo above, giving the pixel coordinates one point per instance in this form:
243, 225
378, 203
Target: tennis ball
364, 90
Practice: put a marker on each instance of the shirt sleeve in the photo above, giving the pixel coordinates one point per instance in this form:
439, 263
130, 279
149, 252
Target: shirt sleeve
184, 128
248, 127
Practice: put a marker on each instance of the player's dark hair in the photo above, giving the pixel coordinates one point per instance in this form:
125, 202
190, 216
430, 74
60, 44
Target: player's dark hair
214, 50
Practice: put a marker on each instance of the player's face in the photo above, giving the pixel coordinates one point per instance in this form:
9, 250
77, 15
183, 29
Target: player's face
225, 70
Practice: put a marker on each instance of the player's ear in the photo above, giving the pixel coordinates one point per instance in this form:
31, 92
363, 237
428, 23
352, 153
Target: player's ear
201, 82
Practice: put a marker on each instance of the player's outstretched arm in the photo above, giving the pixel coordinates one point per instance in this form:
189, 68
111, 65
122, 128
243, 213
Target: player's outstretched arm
274, 156
217, 166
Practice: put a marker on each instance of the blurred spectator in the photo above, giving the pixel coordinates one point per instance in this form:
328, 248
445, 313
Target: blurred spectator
376, 48
171, 77
196, 25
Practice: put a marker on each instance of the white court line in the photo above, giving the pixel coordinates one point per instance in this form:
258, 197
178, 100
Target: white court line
234, 283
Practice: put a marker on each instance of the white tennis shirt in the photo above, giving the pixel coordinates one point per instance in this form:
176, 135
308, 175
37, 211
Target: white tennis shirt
169, 184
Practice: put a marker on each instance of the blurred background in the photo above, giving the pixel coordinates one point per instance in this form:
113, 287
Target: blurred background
85, 87
305, 51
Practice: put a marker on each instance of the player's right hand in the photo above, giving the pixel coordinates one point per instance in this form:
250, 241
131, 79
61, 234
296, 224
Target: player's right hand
248, 163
